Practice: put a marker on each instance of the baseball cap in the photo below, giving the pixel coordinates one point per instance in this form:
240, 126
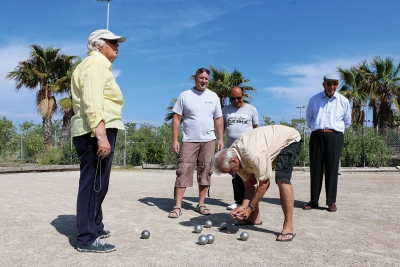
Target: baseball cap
105, 34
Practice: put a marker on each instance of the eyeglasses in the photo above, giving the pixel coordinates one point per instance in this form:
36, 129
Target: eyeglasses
334, 84
201, 70
236, 98
114, 42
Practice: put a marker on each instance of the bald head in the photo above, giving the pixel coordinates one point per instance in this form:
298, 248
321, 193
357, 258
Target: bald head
237, 89
236, 97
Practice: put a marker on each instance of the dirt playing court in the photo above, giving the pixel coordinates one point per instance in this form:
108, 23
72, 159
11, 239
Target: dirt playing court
37, 226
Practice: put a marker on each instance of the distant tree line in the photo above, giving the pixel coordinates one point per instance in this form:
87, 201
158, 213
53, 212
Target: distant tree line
374, 86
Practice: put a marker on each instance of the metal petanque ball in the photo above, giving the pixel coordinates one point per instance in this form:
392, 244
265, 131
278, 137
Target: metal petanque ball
202, 240
244, 236
208, 224
210, 239
198, 228
223, 226
145, 234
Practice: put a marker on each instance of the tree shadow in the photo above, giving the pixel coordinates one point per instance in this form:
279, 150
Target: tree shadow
66, 225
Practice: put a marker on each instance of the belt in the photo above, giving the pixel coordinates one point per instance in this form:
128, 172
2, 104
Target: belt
325, 131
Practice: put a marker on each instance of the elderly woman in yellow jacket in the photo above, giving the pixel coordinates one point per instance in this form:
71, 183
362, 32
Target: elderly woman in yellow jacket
97, 102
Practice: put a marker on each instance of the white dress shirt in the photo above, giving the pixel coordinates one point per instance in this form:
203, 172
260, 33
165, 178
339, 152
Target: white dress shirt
328, 113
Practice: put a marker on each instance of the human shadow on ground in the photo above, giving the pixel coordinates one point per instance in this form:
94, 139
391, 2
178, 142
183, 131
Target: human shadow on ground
66, 225
276, 201
218, 218
188, 203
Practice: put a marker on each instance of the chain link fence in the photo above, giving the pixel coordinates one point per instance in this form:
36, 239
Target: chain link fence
364, 147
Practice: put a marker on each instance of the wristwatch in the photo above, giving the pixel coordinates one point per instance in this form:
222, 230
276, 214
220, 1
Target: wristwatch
251, 207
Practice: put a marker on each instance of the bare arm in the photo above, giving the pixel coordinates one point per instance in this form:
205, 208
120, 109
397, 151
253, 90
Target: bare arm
219, 125
176, 121
254, 192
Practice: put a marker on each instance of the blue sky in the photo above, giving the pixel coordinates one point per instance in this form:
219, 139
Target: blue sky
283, 46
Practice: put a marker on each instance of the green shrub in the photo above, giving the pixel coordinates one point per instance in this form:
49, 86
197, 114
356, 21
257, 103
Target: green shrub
364, 144
51, 156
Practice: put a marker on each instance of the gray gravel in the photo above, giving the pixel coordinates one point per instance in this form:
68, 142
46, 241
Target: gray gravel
37, 226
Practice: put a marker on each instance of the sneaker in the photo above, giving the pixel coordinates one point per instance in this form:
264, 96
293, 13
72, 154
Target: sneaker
97, 246
233, 206
104, 234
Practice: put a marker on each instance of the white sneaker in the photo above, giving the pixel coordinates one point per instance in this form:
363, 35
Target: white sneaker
232, 207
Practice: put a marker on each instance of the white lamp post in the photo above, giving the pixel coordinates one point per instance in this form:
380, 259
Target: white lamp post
108, 10
300, 107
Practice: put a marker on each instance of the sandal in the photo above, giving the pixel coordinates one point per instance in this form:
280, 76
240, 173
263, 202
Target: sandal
202, 209
174, 214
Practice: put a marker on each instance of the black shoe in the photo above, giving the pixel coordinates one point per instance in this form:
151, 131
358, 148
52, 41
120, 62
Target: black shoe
105, 234
97, 246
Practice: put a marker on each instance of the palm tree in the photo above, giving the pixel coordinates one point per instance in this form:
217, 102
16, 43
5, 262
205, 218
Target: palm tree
170, 114
222, 81
383, 84
44, 67
63, 85
353, 88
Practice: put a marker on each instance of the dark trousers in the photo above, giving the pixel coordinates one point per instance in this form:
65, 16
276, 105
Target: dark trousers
89, 215
238, 188
325, 152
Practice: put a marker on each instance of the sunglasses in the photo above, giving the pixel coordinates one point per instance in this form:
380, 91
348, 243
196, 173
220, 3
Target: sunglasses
236, 98
202, 70
114, 42
334, 84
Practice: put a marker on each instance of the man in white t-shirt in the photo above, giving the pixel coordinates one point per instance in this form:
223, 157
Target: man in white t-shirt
239, 118
199, 109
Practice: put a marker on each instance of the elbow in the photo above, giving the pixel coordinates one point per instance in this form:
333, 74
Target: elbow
265, 184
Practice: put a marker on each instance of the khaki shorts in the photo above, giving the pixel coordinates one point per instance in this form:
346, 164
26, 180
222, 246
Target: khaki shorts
193, 154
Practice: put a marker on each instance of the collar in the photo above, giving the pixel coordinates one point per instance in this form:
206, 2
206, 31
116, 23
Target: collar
197, 92
323, 95
101, 57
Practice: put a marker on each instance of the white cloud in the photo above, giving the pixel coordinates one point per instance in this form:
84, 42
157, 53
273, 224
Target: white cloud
304, 80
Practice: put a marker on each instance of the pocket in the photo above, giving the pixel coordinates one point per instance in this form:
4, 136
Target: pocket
179, 169
285, 160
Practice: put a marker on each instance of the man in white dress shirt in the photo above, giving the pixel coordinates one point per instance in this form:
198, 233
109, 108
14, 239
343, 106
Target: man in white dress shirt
328, 116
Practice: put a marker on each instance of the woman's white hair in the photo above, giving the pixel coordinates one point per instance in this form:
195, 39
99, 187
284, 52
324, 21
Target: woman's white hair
93, 45
222, 158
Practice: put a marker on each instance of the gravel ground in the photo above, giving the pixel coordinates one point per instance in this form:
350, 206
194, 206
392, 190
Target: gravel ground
37, 226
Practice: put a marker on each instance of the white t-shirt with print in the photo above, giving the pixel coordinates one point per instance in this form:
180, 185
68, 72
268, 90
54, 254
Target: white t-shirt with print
238, 121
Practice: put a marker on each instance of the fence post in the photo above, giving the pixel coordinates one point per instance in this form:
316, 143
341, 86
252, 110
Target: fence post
70, 153
304, 143
125, 148
22, 133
